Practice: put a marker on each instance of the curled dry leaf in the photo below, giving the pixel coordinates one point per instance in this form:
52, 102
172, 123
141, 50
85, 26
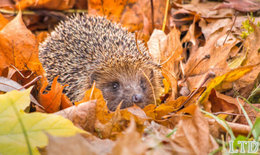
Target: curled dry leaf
167, 50
52, 100
223, 103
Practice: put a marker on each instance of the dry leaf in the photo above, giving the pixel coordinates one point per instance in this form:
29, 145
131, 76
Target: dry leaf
18, 47
47, 4
252, 46
241, 5
193, 134
3, 21
78, 145
223, 103
130, 143
83, 115
51, 101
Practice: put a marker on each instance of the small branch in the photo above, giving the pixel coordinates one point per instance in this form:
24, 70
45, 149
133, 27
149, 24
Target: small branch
31, 12
152, 13
236, 127
230, 28
165, 15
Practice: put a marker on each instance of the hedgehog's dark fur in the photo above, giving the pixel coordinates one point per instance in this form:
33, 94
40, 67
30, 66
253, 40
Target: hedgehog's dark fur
84, 49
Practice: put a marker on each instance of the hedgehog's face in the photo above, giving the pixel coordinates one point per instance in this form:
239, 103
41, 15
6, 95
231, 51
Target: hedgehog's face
127, 85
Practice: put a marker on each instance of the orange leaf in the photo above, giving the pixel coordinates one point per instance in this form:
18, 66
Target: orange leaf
65, 102
18, 47
150, 111
102, 111
52, 100
3, 21
47, 4
113, 9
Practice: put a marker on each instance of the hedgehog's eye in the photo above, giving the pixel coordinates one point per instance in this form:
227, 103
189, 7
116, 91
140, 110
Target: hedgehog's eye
115, 85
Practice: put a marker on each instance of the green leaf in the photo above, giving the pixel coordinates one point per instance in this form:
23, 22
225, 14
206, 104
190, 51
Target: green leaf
256, 128
22, 133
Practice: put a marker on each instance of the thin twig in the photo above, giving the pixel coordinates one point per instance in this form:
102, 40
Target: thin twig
151, 87
165, 15
152, 13
231, 28
31, 82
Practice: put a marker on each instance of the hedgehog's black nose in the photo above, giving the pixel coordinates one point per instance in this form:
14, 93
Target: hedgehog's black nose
137, 98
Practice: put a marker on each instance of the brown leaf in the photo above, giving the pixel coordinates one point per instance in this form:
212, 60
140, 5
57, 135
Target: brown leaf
213, 26
156, 21
155, 136
130, 143
241, 5
193, 32
82, 115
223, 103
252, 113
206, 10
78, 145
252, 46
209, 58
193, 134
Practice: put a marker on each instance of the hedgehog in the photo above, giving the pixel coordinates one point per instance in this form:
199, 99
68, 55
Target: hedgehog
84, 49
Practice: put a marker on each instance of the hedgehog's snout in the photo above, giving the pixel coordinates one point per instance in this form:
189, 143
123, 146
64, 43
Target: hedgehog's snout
137, 98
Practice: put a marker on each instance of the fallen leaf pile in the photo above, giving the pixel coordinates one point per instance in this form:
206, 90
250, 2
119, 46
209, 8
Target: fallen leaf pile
209, 53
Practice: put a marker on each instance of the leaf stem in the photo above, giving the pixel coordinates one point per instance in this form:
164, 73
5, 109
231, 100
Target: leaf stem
23, 129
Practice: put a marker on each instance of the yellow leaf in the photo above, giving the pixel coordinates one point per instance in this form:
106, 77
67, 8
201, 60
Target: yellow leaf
231, 76
22, 133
